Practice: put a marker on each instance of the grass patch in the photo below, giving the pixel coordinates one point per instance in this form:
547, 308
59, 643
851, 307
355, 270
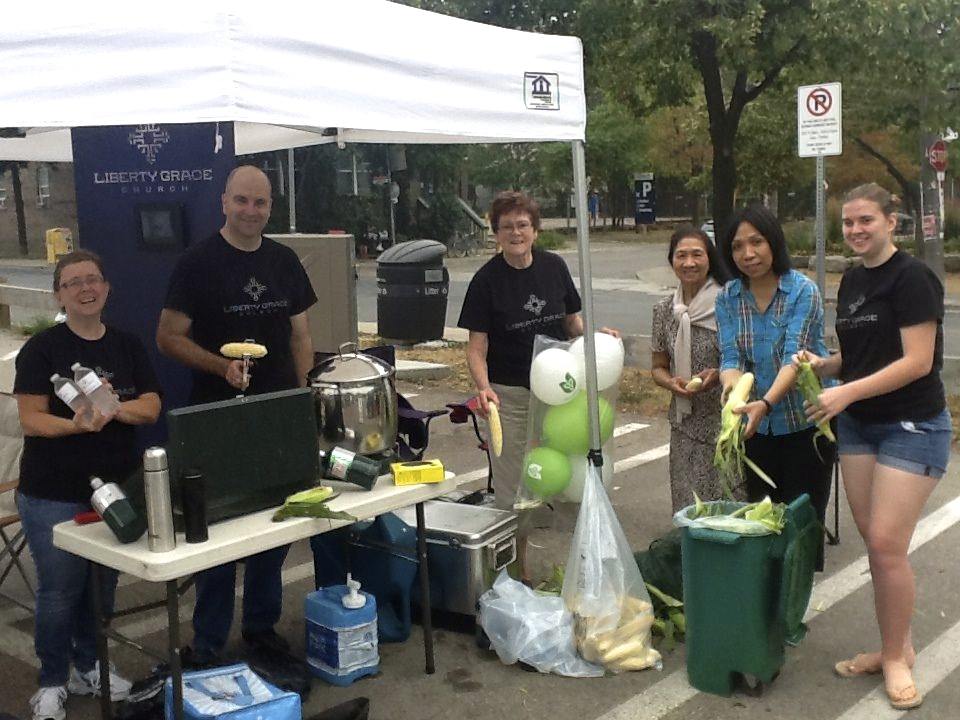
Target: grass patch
35, 326
551, 240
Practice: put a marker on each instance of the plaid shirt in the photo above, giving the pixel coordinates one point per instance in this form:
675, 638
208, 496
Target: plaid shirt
762, 343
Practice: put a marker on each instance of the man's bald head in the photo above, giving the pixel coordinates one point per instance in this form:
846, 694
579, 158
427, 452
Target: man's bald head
246, 206
248, 171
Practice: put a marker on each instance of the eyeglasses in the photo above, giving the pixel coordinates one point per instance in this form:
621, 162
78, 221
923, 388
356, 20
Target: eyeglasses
522, 226
77, 283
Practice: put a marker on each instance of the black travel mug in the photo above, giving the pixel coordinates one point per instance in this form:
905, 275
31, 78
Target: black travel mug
194, 503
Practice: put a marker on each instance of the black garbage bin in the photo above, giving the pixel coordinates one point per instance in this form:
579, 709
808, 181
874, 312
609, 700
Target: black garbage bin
412, 287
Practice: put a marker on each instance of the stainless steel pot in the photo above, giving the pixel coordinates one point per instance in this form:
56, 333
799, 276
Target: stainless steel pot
356, 402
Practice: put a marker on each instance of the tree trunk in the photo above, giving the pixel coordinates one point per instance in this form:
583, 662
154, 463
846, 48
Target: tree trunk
908, 190
18, 205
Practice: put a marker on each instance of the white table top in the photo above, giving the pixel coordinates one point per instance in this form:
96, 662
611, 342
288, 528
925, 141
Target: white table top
240, 537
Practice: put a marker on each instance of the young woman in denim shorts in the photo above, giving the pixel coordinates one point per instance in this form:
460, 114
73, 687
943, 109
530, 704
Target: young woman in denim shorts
894, 428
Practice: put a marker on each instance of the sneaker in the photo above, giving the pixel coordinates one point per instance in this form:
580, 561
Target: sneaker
266, 641
48, 703
88, 683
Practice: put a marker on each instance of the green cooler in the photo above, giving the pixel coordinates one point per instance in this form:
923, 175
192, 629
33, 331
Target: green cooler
745, 597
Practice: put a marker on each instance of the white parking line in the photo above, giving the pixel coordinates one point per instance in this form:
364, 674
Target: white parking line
643, 458
674, 690
934, 664
628, 428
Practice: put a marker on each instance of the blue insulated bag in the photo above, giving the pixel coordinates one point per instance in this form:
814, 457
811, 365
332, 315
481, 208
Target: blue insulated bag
233, 692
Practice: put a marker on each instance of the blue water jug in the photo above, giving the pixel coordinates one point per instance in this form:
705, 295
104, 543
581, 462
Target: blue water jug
341, 632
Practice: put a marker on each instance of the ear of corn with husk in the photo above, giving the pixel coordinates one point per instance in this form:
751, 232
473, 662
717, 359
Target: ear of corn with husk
809, 386
311, 503
730, 455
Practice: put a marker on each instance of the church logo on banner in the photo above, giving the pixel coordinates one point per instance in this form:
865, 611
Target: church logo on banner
541, 91
148, 139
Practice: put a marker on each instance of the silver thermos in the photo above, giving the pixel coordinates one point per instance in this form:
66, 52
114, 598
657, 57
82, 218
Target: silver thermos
156, 486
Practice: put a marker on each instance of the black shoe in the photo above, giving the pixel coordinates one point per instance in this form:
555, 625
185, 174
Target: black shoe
266, 641
199, 658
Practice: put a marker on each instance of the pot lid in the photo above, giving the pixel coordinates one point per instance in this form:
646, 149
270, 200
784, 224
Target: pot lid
351, 367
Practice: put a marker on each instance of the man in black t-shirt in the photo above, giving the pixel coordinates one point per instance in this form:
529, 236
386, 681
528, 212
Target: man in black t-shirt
233, 286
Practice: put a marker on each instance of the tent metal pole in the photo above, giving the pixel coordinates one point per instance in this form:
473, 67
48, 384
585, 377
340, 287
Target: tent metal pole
586, 294
292, 194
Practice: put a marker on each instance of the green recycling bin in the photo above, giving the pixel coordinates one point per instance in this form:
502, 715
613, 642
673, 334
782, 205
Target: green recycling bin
745, 597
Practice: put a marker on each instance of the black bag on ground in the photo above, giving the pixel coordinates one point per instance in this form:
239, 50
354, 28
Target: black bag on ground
660, 564
356, 709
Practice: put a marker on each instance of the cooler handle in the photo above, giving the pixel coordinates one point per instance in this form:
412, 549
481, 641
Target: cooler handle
503, 553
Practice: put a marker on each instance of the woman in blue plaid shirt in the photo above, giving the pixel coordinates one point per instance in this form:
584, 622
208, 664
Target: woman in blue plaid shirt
765, 315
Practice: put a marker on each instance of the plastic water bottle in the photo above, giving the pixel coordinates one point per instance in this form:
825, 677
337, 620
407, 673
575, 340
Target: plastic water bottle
342, 633
103, 399
67, 391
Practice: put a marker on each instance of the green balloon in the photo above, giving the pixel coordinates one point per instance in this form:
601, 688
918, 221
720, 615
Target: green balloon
566, 428
546, 472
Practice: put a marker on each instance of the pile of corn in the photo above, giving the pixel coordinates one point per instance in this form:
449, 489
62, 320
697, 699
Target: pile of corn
627, 646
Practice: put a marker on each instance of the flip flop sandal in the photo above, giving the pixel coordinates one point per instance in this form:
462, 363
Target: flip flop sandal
848, 669
905, 698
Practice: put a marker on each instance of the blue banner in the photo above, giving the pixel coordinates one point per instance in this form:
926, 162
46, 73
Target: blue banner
144, 194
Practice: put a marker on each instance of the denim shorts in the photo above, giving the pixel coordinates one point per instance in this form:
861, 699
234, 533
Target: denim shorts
919, 447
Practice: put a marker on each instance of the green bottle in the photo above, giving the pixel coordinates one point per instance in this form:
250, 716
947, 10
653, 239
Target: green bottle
342, 464
117, 512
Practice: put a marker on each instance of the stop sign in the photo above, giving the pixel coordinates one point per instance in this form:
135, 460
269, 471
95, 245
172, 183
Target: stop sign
938, 156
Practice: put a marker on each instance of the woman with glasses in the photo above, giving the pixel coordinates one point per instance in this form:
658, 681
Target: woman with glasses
520, 293
61, 451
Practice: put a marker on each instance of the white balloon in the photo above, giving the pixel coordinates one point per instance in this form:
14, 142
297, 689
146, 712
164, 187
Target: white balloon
610, 354
578, 476
556, 376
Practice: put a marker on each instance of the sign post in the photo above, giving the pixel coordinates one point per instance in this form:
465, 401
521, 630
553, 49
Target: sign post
819, 134
938, 161
645, 199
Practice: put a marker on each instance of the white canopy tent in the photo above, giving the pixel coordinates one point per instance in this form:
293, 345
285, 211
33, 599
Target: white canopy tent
291, 74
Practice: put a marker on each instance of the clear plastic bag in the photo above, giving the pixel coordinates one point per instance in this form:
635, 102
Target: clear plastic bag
535, 629
558, 435
603, 588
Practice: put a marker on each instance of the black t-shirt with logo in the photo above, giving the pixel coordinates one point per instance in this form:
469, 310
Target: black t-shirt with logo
873, 304
60, 468
230, 296
513, 306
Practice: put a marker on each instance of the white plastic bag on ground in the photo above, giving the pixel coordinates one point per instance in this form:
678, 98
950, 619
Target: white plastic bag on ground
603, 588
535, 629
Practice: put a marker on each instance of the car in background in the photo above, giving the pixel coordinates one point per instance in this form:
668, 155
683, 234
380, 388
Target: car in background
707, 228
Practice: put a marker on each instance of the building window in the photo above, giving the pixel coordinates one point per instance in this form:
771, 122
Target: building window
43, 186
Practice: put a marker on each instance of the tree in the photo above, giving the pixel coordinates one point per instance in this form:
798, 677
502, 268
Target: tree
732, 51
14, 169
897, 86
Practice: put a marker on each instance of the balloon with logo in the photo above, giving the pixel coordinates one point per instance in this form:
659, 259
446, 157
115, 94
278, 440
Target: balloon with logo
610, 354
556, 376
578, 476
566, 428
546, 472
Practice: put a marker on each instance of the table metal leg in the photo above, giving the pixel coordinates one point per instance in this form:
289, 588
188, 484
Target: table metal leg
173, 639
426, 620
102, 623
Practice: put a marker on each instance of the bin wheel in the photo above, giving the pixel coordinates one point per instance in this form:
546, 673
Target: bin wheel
751, 685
